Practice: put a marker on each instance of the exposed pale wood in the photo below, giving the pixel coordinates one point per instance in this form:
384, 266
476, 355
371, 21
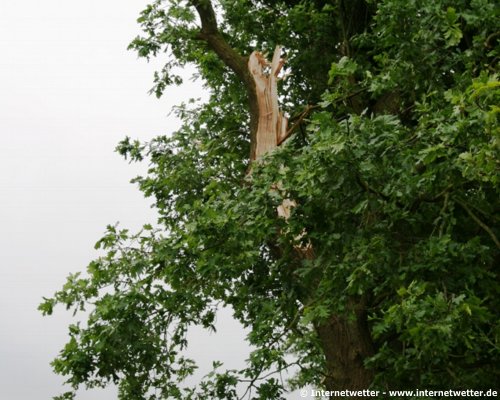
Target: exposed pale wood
285, 208
272, 125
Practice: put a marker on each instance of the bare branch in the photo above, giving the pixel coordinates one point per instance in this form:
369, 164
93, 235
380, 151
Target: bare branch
211, 35
486, 228
231, 58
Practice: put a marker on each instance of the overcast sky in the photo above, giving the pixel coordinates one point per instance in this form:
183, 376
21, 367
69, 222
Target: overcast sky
69, 92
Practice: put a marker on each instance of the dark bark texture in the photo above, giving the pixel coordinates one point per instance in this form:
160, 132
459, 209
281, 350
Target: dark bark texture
346, 342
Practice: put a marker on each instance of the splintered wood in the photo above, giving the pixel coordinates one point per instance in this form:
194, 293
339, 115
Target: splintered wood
272, 124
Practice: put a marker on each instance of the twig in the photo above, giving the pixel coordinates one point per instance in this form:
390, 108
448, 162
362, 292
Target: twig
307, 110
489, 39
369, 189
486, 228
300, 118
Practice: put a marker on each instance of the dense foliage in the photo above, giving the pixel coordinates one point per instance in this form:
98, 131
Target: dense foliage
394, 166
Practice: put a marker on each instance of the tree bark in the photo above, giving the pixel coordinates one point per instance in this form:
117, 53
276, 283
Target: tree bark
346, 342
236, 62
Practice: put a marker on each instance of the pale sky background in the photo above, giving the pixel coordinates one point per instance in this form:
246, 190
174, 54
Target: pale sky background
69, 92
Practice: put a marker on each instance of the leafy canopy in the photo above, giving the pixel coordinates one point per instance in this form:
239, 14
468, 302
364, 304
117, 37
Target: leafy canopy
393, 164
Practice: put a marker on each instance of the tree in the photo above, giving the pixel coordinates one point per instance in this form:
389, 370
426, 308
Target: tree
384, 273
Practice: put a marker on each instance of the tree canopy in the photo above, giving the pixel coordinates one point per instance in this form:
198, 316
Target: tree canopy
392, 164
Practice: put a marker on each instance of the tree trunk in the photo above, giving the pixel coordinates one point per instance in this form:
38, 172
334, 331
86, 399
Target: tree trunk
346, 342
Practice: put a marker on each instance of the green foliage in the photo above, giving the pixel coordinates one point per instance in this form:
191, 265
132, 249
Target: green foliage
396, 177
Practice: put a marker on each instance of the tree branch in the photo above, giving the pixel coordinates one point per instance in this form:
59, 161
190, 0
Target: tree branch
486, 228
211, 34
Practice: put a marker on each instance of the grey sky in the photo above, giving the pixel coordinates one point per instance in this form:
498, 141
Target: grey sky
69, 92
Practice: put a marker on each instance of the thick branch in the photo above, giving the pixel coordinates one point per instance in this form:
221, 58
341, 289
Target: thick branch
231, 58
211, 35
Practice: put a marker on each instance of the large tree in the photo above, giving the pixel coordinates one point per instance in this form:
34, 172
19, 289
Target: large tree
381, 271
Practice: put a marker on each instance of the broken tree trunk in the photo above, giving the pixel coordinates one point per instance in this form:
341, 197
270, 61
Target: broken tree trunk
346, 341
272, 124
